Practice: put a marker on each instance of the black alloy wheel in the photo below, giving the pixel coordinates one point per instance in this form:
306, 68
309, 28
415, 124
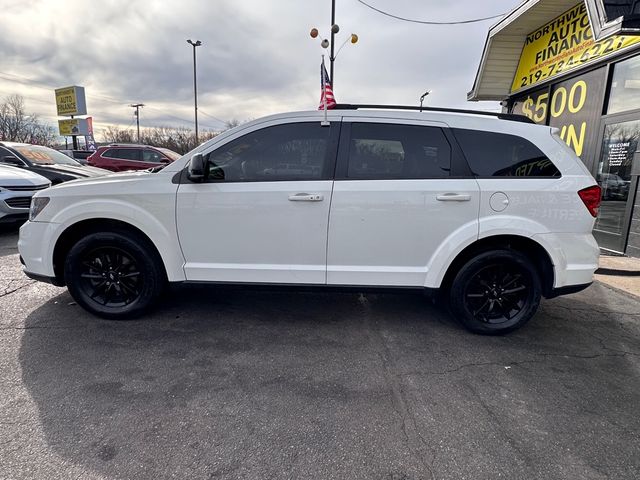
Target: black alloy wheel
115, 275
111, 277
496, 292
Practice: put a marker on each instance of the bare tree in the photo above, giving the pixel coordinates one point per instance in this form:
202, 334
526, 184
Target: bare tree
17, 126
114, 134
178, 139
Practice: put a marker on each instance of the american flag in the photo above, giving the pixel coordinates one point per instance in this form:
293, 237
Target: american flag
326, 90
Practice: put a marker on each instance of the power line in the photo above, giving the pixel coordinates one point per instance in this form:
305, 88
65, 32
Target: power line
211, 116
178, 118
425, 22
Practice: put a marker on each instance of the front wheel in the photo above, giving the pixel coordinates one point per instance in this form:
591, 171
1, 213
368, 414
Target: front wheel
113, 274
495, 292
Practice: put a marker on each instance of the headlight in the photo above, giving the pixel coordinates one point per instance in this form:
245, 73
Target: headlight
37, 205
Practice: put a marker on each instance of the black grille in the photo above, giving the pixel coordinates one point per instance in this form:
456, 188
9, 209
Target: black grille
25, 188
19, 202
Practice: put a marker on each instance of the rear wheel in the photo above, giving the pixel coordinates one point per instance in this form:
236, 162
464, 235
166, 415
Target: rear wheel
496, 292
113, 275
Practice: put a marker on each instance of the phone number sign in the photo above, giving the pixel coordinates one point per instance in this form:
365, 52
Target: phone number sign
564, 44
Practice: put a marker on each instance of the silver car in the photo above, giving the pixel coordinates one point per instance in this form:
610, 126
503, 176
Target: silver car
17, 186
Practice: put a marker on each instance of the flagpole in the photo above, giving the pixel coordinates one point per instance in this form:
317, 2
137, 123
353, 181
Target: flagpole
324, 94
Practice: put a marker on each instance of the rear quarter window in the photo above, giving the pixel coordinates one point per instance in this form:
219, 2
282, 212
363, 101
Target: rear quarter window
492, 154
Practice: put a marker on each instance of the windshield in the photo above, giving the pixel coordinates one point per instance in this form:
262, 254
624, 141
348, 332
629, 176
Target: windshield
170, 153
44, 155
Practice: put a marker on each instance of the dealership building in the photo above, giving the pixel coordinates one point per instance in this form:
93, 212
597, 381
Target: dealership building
575, 65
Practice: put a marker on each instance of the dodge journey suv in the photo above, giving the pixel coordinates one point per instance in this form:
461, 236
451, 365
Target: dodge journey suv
490, 211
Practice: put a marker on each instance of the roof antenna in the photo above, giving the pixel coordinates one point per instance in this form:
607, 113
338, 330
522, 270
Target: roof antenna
424, 95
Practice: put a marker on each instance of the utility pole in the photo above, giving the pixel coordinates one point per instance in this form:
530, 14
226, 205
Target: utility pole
137, 114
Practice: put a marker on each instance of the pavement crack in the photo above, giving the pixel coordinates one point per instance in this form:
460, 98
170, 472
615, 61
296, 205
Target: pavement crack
9, 291
517, 363
589, 310
502, 428
416, 443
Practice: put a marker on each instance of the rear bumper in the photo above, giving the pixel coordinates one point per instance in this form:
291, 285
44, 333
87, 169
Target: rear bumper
574, 256
557, 292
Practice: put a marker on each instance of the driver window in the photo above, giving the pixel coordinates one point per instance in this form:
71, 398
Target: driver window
293, 151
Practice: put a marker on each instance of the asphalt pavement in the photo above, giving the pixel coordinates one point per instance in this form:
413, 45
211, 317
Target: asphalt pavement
247, 384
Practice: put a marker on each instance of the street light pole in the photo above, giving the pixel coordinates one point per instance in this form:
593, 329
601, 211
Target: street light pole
195, 44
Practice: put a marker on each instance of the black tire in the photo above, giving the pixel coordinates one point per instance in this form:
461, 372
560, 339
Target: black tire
495, 292
114, 275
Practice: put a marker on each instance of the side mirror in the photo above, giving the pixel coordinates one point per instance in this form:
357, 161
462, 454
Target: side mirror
165, 161
196, 171
11, 160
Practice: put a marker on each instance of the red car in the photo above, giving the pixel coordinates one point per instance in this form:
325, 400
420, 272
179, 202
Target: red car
122, 157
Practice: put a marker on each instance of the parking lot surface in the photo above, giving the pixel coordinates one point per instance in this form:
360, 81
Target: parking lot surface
225, 384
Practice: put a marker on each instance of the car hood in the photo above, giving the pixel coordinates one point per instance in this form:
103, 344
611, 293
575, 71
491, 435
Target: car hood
106, 179
19, 177
77, 171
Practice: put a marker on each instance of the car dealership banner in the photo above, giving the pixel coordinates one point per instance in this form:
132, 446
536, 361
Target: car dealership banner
71, 101
73, 127
564, 44
573, 106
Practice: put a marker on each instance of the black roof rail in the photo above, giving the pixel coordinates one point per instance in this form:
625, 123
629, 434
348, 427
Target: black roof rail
502, 116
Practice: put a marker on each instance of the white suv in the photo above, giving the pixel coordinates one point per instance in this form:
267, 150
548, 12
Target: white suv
493, 212
17, 186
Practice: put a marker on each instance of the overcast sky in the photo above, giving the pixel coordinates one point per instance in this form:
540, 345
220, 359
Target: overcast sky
257, 56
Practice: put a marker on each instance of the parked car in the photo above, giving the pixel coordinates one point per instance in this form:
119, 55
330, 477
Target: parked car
613, 186
17, 186
490, 212
79, 156
45, 161
123, 157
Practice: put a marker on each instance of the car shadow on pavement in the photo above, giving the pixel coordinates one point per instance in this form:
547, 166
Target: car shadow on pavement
226, 383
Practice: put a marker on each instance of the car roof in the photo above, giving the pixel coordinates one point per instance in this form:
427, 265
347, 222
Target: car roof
15, 144
127, 145
454, 118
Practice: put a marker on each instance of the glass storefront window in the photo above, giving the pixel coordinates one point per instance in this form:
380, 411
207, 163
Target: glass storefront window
625, 87
619, 144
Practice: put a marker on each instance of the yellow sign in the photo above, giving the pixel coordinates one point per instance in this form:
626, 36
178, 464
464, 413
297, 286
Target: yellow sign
71, 101
73, 126
562, 45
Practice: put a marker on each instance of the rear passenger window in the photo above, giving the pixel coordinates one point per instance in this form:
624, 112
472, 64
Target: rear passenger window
122, 153
493, 154
389, 151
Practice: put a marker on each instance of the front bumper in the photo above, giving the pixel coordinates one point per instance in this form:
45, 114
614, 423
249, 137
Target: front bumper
41, 278
9, 214
35, 245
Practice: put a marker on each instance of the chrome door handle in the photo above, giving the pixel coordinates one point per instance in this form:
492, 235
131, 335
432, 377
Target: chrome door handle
453, 197
306, 197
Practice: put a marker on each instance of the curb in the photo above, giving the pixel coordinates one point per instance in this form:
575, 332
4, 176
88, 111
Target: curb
618, 273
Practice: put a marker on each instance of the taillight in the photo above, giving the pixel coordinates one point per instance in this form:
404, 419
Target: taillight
591, 196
